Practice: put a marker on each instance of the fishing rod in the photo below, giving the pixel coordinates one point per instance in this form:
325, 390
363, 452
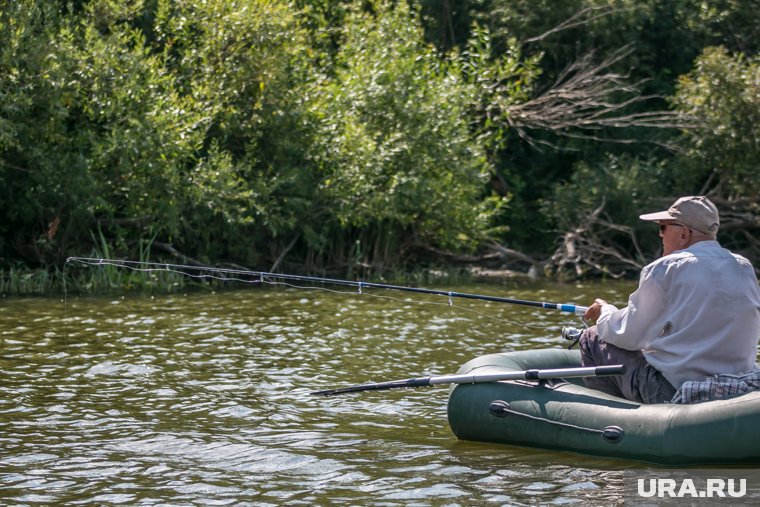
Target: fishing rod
263, 275
590, 371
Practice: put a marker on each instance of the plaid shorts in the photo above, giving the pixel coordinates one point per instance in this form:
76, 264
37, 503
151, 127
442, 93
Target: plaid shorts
717, 387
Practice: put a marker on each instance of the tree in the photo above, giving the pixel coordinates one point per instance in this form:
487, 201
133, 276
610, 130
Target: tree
44, 174
394, 144
722, 156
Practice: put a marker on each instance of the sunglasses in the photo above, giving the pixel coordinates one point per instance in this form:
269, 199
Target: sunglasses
665, 226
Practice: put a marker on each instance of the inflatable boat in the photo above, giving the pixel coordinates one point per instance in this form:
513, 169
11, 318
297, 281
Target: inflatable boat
565, 415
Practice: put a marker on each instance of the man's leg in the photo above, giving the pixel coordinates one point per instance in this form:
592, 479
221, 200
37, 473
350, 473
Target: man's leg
641, 382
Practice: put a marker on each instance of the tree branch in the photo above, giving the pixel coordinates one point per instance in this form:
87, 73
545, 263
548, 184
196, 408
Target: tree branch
580, 18
587, 246
586, 99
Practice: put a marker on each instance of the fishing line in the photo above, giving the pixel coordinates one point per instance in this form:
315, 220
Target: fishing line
206, 273
407, 300
257, 278
104, 262
65, 310
262, 276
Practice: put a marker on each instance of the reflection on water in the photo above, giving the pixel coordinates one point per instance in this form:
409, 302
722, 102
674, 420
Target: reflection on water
204, 399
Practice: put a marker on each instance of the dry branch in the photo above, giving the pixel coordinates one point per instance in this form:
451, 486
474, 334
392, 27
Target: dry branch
587, 248
587, 99
168, 248
580, 18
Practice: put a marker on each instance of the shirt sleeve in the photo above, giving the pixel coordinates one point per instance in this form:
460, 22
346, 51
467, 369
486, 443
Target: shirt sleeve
635, 326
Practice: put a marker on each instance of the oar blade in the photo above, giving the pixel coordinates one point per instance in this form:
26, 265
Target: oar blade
375, 386
351, 389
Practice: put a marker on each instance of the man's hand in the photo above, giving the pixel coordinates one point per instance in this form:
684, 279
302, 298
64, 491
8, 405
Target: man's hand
593, 312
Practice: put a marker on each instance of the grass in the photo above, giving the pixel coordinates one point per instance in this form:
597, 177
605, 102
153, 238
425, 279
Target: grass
19, 281
82, 278
79, 278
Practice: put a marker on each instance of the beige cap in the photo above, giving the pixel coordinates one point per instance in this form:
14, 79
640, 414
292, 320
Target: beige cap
695, 212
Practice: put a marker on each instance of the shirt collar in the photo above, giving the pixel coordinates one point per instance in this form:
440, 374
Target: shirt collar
701, 246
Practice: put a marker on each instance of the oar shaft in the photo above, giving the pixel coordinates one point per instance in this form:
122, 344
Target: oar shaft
591, 371
578, 310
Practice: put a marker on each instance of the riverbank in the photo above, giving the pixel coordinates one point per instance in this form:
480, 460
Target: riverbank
23, 281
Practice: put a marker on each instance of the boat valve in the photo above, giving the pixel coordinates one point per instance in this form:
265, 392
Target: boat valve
571, 333
612, 434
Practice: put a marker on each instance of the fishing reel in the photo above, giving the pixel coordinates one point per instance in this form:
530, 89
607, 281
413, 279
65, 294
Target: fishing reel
571, 333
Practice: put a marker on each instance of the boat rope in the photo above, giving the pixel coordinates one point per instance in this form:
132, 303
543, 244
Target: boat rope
610, 434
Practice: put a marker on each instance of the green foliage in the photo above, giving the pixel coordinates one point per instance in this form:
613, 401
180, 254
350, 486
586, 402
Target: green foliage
733, 24
346, 133
666, 37
165, 113
394, 144
144, 134
624, 185
499, 80
241, 65
43, 171
722, 93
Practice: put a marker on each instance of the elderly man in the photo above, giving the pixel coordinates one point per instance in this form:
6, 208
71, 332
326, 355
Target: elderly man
695, 313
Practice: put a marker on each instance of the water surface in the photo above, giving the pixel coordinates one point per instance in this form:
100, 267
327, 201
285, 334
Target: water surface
203, 399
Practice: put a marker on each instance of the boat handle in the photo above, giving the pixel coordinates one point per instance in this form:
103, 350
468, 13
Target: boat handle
610, 434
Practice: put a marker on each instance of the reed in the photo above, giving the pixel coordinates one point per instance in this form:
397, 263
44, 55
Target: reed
108, 278
75, 278
19, 280
101, 279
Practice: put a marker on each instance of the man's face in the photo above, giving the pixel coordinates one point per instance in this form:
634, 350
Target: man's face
674, 236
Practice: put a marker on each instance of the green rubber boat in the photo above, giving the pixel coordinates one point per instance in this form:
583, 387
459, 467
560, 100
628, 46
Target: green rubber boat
565, 415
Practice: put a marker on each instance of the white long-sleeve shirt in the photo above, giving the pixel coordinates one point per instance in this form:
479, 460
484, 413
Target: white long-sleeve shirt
696, 312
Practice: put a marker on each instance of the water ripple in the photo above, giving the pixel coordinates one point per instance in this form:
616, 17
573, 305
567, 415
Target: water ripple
203, 399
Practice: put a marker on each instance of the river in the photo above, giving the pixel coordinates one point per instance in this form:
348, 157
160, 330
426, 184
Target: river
202, 398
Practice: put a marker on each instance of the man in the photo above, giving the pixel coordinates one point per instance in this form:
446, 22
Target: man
696, 312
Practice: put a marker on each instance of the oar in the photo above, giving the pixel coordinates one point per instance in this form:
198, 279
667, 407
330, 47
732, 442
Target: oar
591, 371
261, 275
